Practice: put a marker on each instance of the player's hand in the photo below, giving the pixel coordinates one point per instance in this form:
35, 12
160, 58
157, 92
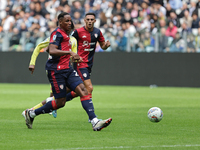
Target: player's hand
105, 45
75, 57
31, 68
47, 49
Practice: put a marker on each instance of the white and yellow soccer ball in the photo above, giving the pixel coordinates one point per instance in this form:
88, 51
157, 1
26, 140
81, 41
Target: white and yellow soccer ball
155, 114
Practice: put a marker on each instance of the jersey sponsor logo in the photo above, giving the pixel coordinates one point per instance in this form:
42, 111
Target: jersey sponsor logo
88, 49
85, 43
84, 36
96, 35
92, 43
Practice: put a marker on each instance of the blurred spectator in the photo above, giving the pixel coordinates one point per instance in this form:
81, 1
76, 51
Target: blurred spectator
168, 10
39, 10
102, 20
129, 7
77, 7
171, 30
163, 40
3, 9
116, 28
41, 21
14, 40
148, 42
127, 18
121, 41
153, 28
140, 21
109, 10
145, 8
104, 5
97, 10
197, 41
8, 22
195, 21
117, 10
108, 36
67, 8
187, 18
135, 10
77, 19
157, 1
134, 43
87, 8
63, 2
175, 4
191, 44
173, 17
183, 9
185, 28
161, 24
192, 8
177, 44
52, 8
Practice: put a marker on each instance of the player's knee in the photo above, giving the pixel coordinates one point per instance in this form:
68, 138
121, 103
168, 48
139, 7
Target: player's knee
90, 89
61, 103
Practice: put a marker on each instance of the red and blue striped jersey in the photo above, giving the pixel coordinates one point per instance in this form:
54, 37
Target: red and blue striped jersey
60, 38
86, 45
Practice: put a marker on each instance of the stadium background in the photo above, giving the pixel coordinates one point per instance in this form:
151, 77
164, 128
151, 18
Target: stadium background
138, 69
131, 31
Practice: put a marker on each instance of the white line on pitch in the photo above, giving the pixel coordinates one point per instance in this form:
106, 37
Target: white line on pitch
126, 147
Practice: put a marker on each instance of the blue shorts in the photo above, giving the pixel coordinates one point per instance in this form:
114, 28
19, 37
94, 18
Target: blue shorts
84, 73
62, 79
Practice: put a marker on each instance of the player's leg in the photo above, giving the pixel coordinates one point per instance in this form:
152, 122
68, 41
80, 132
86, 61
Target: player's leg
87, 103
57, 81
85, 74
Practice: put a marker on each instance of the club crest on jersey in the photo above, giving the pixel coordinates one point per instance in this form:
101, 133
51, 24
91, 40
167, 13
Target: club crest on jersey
85, 75
61, 86
96, 35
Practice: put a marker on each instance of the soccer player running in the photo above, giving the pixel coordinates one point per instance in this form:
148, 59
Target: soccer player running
39, 47
61, 75
87, 38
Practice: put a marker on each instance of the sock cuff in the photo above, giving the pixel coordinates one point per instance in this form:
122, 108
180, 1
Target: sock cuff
53, 103
73, 94
84, 98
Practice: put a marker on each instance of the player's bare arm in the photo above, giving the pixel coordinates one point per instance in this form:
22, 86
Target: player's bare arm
54, 51
105, 45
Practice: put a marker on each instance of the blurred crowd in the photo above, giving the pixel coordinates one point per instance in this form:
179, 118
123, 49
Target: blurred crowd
130, 25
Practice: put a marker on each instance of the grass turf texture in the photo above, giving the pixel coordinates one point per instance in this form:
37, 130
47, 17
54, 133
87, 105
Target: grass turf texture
127, 105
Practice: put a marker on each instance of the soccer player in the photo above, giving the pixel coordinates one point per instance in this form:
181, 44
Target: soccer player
34, 56
61, 75
87, 38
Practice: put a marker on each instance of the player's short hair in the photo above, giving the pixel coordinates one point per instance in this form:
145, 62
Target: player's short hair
90, 13
61, 15
72, 25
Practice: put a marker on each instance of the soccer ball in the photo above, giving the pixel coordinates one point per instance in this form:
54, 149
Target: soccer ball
155, 114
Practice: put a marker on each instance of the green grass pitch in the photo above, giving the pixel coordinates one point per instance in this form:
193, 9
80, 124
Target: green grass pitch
127, 105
